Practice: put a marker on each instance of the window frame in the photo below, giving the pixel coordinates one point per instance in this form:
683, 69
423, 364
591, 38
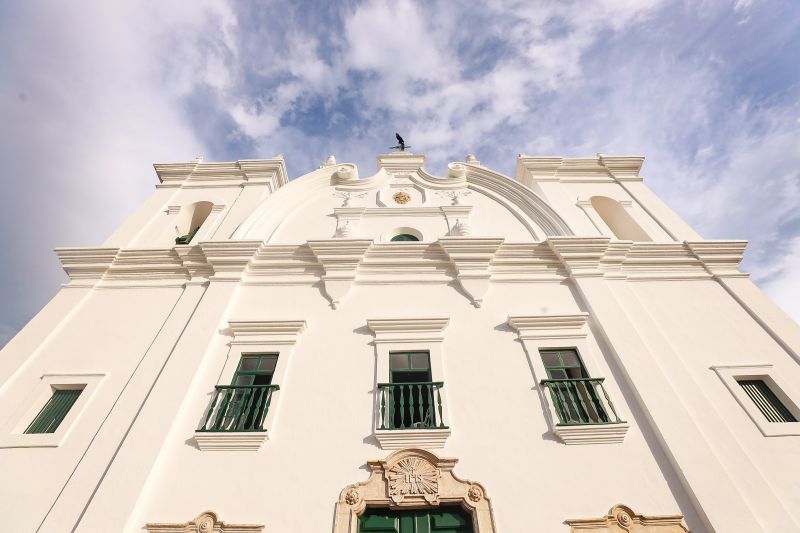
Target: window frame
406, 335
251, 337
13, 435
539, 333
781, 387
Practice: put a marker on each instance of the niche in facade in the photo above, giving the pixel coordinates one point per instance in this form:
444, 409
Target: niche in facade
621, 224
191, 219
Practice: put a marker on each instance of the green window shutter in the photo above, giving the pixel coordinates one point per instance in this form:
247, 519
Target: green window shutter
766, 401
54, 411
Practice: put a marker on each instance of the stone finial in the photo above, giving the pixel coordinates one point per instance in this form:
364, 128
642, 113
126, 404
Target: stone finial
471, 159
331, 161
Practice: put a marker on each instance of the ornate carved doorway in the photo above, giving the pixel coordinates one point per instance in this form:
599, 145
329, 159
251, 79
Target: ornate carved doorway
447, 519
413, 491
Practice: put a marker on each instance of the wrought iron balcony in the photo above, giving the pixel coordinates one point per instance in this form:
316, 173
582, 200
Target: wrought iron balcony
411, 405
239, 408
581, 401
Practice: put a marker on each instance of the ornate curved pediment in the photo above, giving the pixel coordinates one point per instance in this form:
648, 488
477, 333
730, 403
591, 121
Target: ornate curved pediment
412, 478
621, 519
205, 523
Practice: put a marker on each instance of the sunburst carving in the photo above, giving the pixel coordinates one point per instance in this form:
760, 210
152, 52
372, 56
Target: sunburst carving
413, 476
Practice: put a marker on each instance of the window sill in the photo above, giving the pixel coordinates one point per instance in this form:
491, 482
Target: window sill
394, 439
248, 441
592, 433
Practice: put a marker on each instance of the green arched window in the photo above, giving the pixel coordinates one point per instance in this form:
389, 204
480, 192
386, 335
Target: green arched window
404, 237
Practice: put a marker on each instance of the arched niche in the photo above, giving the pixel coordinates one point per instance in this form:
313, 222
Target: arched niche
413, 478
618, 220
189, 221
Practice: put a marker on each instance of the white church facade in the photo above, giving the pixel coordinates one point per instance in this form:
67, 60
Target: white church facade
406, 353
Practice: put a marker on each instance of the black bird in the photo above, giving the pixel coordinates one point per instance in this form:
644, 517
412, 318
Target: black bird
401, 143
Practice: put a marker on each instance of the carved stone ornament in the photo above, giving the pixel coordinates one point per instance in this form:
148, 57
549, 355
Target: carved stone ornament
412, 478
621, 519
401, 197
205, 523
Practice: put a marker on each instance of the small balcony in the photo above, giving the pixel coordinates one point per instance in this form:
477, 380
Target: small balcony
237, 410
411, 414
581, 401
411, 405
585, 412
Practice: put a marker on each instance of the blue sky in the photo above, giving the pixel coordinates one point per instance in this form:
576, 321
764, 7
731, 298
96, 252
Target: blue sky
93, 93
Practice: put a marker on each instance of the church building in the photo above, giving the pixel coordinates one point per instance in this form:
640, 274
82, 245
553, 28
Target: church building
402, 352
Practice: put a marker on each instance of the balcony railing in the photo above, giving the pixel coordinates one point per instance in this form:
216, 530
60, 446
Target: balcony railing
581, 401
411, 405
239, 408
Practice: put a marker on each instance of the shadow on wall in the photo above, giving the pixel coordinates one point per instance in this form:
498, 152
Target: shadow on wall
621, 224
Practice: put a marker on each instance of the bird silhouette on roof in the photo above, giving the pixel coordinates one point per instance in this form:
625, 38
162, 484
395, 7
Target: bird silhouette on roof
401, 144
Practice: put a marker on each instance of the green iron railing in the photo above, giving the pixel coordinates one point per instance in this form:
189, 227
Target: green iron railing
581, 401
239, 408
411, 405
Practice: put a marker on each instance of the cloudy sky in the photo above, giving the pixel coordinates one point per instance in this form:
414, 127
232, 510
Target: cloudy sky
92, 93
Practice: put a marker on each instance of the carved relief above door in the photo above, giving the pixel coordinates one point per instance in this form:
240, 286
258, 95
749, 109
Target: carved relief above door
413, 478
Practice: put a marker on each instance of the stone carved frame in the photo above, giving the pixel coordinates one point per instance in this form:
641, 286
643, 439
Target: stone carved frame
621, 519
412, 478
205, 523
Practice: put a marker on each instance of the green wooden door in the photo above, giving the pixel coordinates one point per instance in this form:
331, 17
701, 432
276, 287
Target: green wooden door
441, 520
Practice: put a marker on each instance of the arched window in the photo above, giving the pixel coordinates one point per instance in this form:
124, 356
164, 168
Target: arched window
199, 213
621, 224
404, 237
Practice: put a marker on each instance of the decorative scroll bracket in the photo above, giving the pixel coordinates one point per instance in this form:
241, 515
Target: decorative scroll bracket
339, 259
472, 257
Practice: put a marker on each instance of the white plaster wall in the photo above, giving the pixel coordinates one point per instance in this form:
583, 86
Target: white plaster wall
161, 344
108, 334
323, 431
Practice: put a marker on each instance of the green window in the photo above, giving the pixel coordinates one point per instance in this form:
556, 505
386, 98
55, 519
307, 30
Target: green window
410, 367
404, 237
411, 397
766, 401
573, 391
445, 519
255, 369
54, 411
563, 364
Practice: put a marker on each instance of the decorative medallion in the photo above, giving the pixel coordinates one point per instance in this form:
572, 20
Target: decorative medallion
413, 476
352, 497
474, 493
401, 197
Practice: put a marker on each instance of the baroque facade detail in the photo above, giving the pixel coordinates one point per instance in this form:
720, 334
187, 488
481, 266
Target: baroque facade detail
413, 478
621, 519
205, 523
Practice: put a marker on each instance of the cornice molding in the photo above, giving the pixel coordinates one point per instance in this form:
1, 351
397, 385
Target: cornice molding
602, 168
580, 255
266, 331
549, 326
408, 329
197, 174
720, 258
86, 263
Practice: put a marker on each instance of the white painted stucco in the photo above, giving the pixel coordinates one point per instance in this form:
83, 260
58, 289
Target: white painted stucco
504, 267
